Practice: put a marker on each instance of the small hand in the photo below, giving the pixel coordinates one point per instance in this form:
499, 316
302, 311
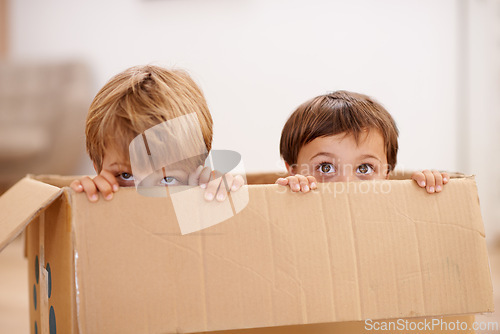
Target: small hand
298, 182
433, 181
105, 183
215, 184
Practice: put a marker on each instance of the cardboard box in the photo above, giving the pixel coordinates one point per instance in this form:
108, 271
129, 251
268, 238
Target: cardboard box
286, 263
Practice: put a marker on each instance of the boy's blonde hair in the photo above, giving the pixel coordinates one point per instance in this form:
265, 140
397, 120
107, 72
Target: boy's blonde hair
138, 99
336, 113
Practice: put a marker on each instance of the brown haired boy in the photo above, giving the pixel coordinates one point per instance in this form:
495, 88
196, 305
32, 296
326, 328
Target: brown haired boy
343, 136
133, 102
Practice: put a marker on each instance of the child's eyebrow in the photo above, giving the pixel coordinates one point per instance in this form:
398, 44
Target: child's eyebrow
119, 165
174, 172
328, 154
365, 156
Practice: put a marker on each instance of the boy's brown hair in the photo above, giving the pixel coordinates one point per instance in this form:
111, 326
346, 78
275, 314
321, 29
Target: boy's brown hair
333, 114
136, 100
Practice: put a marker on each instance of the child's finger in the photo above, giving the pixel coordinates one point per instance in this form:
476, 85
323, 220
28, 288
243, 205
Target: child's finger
430, 181
238, 182
211, 188
89, 188
293, 181
76, 185
111, 178
204, 177
438, 180
282, 181
227, 181
194, 177
104, 187
419, 177
225, 184
304, 183
312, 182
446, 177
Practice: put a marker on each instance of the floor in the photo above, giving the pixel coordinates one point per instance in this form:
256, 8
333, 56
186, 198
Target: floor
14, 316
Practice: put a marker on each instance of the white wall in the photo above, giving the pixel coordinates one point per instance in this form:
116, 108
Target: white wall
256, 60
482, 145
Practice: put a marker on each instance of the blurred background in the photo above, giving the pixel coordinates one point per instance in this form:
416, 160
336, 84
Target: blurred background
435, 65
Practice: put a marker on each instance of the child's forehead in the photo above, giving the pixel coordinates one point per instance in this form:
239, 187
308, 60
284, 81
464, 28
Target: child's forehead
118, 159
344, 144
114, 156
365, 136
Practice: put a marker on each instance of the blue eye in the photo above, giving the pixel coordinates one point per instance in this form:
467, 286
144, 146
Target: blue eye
364, 169
326, 168
169, 181
126, 176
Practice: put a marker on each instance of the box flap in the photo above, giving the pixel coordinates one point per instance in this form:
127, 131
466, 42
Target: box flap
20, 204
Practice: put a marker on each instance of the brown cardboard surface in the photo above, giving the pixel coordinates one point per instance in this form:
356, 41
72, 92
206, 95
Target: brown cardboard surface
344, 253
270, 178
286, 259
395, 326
54, 285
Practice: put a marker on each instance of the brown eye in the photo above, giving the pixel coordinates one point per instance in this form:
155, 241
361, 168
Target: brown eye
365, 169
326, 168
127, 176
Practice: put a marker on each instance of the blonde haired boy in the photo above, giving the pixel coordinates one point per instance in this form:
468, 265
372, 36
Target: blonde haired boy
131, 103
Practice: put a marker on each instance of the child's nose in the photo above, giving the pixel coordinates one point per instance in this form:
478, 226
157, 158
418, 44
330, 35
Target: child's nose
344, 177
346, 174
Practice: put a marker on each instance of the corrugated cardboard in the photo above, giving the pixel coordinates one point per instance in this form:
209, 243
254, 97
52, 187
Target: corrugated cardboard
346, 252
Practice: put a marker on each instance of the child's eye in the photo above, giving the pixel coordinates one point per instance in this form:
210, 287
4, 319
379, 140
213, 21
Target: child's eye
364, 169
126, 176
170, 181
326, 168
